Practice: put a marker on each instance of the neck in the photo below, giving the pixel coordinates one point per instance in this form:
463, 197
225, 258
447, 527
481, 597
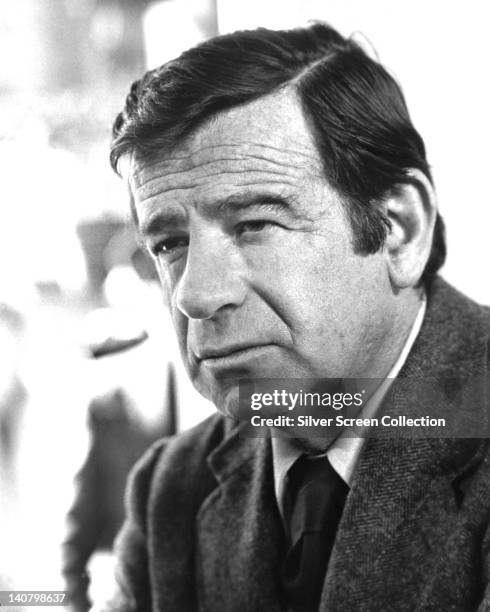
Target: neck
391, 355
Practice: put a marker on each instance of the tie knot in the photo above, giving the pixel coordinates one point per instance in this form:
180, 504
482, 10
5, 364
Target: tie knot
308, 469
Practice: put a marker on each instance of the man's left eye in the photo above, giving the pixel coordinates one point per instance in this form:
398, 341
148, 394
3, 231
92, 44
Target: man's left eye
253, 226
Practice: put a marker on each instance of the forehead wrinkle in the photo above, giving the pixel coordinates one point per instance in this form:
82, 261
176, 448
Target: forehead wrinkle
145, 191
301, 157
246, 150
142, 199
208, 198
163, 182
199, 171
169, 175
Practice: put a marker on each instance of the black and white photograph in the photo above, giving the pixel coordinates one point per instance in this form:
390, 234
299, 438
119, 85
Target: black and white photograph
244, 322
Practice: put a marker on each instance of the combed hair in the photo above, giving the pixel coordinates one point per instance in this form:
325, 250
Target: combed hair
356, 110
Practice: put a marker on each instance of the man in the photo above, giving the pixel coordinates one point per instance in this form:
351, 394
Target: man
285, 196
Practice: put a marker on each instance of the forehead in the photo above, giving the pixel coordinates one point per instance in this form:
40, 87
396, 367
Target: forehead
266, 143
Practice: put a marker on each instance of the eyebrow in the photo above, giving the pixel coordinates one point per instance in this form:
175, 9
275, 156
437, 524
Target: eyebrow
243, 201
164, 220
159, 223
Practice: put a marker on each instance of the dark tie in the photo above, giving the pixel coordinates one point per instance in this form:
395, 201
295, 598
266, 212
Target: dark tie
315, 497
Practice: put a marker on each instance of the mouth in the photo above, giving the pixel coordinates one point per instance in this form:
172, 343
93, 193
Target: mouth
232, 352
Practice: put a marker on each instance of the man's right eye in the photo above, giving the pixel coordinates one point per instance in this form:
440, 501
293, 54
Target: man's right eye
170, 245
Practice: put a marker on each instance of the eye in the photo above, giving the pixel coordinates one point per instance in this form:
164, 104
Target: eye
170, 245
253, 226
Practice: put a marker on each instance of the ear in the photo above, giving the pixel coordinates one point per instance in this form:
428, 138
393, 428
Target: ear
412, 211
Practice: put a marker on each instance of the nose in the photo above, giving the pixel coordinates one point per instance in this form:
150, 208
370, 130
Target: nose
212, 279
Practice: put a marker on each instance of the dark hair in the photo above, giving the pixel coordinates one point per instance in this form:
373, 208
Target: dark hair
357, 112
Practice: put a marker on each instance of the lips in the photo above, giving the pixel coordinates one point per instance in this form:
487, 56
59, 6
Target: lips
225, 351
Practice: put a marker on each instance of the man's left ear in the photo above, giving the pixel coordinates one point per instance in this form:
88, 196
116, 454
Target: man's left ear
412, 211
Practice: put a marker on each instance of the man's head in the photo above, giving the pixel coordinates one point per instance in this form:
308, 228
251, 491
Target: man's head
286, 197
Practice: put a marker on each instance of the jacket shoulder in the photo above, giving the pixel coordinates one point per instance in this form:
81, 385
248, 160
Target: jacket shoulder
175, 462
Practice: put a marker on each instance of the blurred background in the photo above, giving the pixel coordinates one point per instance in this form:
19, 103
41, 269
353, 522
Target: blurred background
84, 339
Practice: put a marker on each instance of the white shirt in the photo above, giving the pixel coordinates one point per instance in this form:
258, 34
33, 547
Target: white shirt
345, 451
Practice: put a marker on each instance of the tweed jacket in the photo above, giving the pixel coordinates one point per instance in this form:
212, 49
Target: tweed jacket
203, 530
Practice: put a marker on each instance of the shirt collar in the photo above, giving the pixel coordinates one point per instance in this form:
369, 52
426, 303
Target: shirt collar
345, 450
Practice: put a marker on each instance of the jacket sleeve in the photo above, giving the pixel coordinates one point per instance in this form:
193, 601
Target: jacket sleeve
132, 576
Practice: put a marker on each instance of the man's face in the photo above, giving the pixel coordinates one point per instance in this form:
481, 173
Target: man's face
255, 254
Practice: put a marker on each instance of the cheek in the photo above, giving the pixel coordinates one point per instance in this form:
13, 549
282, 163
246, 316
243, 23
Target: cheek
326, 292
308, 274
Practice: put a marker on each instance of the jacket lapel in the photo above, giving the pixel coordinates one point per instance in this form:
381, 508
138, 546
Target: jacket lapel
400, 512
240, 536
